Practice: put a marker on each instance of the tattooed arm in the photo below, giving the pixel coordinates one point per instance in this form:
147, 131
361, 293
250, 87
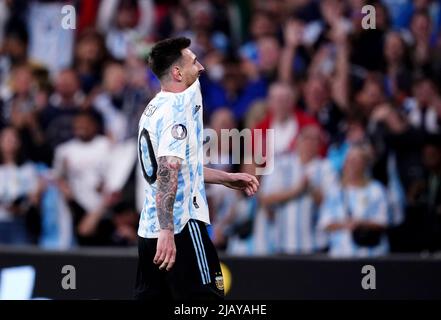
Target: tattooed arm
168, 168
167, 185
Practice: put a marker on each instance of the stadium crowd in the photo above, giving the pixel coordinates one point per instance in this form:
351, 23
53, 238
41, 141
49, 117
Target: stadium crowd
356, 115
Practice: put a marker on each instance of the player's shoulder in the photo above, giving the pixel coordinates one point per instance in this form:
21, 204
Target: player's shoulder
161, 106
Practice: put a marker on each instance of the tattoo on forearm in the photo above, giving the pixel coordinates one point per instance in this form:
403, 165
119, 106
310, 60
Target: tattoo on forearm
167, 184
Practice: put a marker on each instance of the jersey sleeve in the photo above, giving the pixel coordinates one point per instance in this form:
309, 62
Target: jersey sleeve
172, 131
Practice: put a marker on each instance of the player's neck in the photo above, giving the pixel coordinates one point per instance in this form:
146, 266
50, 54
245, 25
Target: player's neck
173, 87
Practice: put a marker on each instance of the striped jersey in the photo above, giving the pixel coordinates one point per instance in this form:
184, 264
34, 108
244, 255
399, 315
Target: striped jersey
172, 125
368, 203
296, 220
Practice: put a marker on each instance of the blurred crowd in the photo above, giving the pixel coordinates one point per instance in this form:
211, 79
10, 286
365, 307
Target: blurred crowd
356, 115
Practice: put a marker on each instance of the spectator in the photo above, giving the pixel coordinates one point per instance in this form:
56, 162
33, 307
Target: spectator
424, 210
202, 33
420, 38
237, 227
13, 53
19, 199
119, 102
80, 164
241, 85
219, 153
398, 67
391, 134
261, 26
355, 215
57, 117
90, 54
294, 192
353, 132
421, 112
370, 95
118, 19
317, 103
20, 111
283, 117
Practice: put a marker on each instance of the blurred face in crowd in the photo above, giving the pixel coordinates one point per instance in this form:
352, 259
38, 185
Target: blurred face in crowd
9, 142
269, 53
424, 92
280, 101
331, 10
22, 80
234, 78
126, 17
370, 96
394, 48
67, 84
308, 142
115, 78
85, 127
355, 132
201, 15
261, 26
222, 118
316, 93
179, 20
89, 48
421, 27
356, 163
15, 48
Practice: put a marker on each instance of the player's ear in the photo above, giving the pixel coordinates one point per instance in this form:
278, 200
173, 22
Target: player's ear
176, 73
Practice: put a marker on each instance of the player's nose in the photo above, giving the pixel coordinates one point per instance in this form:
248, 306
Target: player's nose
201, 68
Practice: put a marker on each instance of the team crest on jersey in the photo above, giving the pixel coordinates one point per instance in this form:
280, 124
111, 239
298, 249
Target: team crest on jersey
179, 131
219, 280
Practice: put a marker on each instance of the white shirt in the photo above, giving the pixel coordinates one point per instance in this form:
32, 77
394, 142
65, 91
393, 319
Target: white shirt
296, 220
368, 203
85, 167
173, 124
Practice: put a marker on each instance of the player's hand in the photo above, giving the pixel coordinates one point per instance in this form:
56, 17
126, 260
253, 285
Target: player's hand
165, 250
242, 181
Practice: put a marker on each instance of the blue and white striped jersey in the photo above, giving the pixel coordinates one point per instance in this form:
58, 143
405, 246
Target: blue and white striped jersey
15, 182
296, 220
367, 203
172, 125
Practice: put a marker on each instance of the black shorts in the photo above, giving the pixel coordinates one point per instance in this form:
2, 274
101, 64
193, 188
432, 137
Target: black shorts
196, 274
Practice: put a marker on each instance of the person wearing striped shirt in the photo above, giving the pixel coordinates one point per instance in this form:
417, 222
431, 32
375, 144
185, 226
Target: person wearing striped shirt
177, 259
293, 194
358, 201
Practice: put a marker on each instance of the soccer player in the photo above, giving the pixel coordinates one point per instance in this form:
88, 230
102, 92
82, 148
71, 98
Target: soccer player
177, 259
